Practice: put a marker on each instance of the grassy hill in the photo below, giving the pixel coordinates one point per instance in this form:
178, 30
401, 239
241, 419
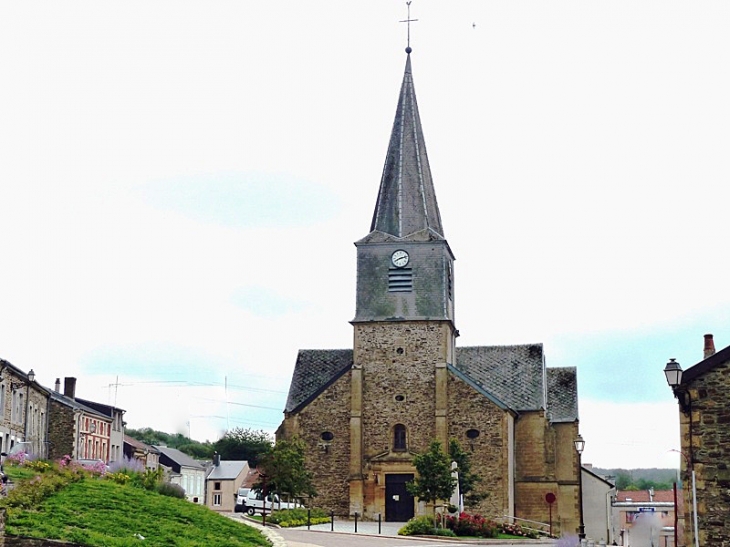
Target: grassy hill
95, 511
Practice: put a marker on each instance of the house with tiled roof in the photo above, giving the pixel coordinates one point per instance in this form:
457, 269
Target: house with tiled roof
224, 479
646, 517
135, 449
184, 471
116, 433
23, 410
76, 429
365, 412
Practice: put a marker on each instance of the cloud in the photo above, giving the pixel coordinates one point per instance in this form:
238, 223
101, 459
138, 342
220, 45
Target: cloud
630, 435
244, 199
264, 302
151, 361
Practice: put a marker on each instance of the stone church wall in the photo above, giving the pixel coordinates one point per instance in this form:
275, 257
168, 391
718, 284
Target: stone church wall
399, 361
489, 453
328, 461
546, 462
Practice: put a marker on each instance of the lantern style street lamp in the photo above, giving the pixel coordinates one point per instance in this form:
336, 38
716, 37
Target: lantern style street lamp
580, 444
673, 372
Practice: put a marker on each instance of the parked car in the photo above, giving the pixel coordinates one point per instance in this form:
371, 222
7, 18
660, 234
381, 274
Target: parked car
251, 501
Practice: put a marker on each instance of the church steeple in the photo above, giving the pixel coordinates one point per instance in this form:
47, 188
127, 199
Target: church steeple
406, 201
405, 265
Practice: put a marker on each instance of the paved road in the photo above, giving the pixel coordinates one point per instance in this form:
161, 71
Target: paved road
304, 538
369, 535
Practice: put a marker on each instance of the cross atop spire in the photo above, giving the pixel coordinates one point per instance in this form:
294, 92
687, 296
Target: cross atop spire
408, 21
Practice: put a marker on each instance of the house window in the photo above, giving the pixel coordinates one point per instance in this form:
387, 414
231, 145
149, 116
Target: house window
216, 486
399, 437
2, 399
16, 411
217, 499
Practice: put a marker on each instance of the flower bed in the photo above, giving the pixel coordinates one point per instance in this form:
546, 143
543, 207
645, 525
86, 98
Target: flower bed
467, 524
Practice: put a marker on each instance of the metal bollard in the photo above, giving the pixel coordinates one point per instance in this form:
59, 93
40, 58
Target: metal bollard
356, 522
379, 522
309, 519
332, 519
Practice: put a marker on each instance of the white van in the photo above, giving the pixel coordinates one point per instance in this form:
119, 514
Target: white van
251, 501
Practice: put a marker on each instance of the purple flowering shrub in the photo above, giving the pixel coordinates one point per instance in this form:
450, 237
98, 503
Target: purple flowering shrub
19, 458
127, 465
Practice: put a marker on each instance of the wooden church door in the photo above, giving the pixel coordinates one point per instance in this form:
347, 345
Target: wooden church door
398, 502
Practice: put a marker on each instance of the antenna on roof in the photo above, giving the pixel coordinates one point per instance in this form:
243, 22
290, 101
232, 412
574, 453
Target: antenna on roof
408, 20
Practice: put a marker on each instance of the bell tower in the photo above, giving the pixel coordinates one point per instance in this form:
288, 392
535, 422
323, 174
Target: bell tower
404, 328
405, 265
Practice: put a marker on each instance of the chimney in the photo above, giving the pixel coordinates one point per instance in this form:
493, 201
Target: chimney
69, 387
216, 459
58, 385
709, 346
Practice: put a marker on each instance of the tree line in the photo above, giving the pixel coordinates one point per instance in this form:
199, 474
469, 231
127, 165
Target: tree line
280, 464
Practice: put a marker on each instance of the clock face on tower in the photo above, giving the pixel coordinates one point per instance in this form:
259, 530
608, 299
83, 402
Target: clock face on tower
399, 259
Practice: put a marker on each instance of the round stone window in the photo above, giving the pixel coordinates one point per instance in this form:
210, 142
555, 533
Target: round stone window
472, 433
327, 436
400, 398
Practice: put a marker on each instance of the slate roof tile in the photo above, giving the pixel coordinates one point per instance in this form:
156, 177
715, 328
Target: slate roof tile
513, 374
315, 369
562, 394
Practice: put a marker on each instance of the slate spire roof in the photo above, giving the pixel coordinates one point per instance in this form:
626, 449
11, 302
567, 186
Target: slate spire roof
406, 199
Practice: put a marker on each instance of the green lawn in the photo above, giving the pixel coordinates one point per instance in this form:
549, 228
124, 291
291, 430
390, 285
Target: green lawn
98, 512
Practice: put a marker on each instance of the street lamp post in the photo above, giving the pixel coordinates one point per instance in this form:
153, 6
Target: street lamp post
580, 444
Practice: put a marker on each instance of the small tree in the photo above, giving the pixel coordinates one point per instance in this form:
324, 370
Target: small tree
285, 470
434, 481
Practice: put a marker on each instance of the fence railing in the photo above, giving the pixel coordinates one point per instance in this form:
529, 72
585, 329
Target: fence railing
349, 523
541, 528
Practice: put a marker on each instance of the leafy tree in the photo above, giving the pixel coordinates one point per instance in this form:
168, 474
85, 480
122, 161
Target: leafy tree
197, 450
434, 481
467, 479
244, 444
285, 471
623, 481
179, 441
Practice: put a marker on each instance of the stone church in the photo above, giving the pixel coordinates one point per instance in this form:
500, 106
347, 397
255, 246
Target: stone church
365, 412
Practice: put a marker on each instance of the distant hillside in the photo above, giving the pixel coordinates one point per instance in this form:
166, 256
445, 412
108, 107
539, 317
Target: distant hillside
640, 479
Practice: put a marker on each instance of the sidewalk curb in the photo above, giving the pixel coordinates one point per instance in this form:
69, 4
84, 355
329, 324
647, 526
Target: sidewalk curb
269, 533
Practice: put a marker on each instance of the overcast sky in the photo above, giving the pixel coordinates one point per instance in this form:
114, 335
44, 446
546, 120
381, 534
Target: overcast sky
181, 184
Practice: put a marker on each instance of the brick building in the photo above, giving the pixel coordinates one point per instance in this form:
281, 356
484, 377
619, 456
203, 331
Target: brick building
645, 516
704, 418
75, 429
365, 412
